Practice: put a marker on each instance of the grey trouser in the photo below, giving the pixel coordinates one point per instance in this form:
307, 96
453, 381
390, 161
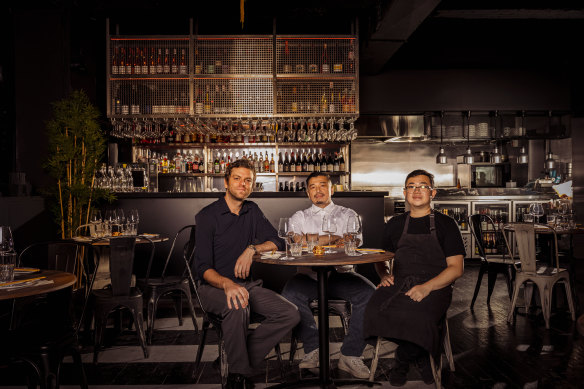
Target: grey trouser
245, 349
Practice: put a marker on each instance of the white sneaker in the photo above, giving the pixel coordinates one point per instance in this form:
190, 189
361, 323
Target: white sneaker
310, 360
354, 366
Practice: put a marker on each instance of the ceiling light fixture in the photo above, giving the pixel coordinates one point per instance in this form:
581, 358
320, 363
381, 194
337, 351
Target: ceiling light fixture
496, 157
550, 164
441, 158
523, 158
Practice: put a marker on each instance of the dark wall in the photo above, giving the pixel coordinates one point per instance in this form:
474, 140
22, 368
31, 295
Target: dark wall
41, 62
460, 89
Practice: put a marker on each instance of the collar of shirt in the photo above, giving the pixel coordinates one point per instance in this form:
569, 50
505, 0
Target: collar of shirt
225, 208
327, 210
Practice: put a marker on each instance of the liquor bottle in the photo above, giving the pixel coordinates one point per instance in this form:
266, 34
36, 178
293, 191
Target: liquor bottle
292, 162
152, 61
341, 162
130, 61
267, 164
325, 67
324, 108
144, 61
281, 187
122, 61
218, 62
286, 66
222, 163
336, 165
207, 105
198, 63
304, 163
182, 67
294, 103
350, 68
137, 62
330, 164
159, 59
297, 188
217, 164
115, 56
272, 164
166, 63
337, 60
312, 66
286, 164
297, 55
287, 186
323, 164
280, 163
153, 174
332, 107
265, 137
298, 162
174, 62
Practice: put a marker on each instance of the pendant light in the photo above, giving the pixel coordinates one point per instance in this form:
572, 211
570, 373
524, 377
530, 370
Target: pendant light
496, 157
468, 157
441, 158
550, 164
523, 158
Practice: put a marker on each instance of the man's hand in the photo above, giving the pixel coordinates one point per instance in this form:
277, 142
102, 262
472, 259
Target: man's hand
237, 295
419, 292
243, 264
386, 280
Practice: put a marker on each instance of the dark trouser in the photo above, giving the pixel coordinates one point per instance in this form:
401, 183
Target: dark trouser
353, 287
246, 350
408, 351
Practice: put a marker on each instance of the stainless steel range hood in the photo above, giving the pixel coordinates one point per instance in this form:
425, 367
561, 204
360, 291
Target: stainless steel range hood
392, 128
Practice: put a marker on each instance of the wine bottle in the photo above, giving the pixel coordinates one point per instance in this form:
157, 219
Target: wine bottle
280, 163
341, 163
182, 67
174, 62
330, 164
115, 67
286, 163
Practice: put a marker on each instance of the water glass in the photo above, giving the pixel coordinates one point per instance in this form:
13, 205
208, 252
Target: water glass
527, 218
296, 249
350, 247
551, 220
7, 263
311, 241
6, 241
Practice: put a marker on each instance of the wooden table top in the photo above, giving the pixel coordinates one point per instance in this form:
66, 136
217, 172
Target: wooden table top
156, 238
60, 280
338, 258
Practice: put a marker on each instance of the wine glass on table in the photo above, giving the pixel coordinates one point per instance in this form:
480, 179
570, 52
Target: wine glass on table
353, 230
285, 233
133, 220
95, 222
6, 240
329, 226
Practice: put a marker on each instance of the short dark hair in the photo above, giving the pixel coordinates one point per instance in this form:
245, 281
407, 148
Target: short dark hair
245, 163
317, 174
421, 172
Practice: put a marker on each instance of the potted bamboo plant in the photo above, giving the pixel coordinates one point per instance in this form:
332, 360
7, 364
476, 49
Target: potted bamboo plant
76, 146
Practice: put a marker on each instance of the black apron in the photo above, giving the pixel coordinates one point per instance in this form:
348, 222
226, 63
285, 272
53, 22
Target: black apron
392, 314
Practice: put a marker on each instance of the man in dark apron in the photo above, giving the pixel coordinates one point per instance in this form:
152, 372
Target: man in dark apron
411, 302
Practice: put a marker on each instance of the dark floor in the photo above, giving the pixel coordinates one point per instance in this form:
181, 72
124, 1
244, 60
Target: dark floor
488, 352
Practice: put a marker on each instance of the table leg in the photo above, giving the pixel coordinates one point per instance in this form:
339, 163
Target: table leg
323, 329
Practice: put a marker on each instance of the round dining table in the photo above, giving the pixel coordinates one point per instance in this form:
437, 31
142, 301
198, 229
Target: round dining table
60, 280
322, 264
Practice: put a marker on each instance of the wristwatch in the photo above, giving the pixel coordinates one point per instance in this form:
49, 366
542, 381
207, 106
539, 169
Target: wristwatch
251, 246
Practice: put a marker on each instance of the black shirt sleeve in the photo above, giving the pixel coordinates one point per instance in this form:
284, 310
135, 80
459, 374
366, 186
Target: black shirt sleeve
204, 243
265, 231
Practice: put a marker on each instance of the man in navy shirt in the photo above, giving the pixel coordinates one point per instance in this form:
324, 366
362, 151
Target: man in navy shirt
229, 232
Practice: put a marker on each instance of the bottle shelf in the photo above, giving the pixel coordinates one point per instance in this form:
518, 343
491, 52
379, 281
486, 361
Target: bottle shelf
195, 145
290, 174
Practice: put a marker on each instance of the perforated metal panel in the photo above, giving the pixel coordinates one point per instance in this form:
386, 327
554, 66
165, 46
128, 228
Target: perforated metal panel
317, 56
234, 55
158, 97
233, 96
318, 97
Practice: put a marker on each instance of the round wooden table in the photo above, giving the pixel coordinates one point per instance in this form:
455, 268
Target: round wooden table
60, 280
322, 264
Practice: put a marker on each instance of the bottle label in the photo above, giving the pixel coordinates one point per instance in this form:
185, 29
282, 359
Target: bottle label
158, 68
137, 69
198, 69
115, 69
338, 68
122, 70
287, 68
174, 69
211, 69
183, 69
152, 69
300, 68
312, 68
144, 69
166, 69
128, 69
326, 68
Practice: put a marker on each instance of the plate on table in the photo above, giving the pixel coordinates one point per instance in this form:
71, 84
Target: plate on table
150, 236
272, 255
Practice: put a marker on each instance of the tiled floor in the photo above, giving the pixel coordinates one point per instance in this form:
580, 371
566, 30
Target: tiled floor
488, 352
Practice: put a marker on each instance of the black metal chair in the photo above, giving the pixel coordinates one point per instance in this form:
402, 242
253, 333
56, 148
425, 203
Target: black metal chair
153, 288
214, 321
43, 347
491, 264
341, 308
121, 295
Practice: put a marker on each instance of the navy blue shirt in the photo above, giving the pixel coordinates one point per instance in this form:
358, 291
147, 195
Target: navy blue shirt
222, 236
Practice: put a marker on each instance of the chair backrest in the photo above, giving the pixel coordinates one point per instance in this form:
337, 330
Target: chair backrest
525, 238
121, 264
52, 255
474, 221
189, 246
